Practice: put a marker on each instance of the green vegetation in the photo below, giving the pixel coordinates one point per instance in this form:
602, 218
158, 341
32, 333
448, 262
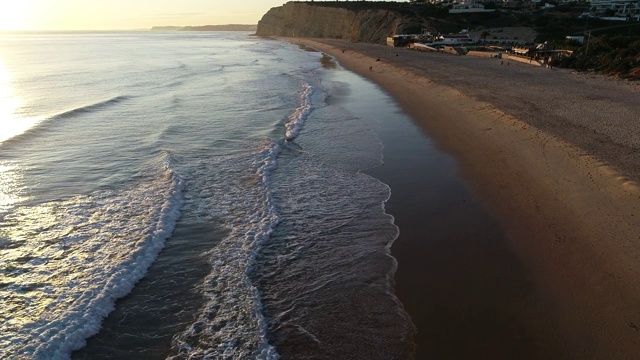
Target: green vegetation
616, 55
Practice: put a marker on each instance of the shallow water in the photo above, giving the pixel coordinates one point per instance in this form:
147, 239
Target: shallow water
210, 181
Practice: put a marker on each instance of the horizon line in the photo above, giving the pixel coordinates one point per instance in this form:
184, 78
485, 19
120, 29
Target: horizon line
97, 30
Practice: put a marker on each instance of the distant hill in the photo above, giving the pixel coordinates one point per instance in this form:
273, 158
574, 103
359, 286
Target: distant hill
228, 27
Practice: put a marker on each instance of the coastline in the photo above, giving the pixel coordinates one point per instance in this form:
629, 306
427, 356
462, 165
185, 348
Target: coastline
555, 170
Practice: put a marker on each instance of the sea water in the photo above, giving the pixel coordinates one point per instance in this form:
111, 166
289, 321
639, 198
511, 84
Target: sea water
191, 195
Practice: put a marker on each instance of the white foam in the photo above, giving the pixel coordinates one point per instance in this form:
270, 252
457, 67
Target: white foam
77, 259
299, 115
335, 236
231, 324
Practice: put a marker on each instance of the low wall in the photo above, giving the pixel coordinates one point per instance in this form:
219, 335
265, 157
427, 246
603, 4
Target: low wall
454, 50
483, 53
522, 59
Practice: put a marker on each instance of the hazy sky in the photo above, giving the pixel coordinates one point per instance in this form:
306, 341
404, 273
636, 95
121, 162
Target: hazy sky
127, 14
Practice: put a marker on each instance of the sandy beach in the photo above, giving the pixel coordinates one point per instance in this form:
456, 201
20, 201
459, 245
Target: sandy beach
554, 159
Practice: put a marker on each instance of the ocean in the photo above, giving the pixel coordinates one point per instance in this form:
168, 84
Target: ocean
192, 196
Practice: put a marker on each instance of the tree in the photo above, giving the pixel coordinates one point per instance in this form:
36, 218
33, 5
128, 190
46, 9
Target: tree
484, 36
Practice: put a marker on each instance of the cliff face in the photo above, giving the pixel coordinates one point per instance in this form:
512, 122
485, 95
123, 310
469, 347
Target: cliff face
297, 19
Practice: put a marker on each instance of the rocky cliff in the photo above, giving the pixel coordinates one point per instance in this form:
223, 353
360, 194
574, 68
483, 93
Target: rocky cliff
362, 22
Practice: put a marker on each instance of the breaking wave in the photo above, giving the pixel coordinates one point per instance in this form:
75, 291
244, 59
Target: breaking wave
41, 124
77, 259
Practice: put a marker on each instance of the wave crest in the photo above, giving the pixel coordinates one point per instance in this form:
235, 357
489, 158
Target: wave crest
300, 114
81, 255
42, 124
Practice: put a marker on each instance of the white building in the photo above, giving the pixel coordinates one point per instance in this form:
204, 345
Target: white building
454, 39
576, 38
620, 7
468, 7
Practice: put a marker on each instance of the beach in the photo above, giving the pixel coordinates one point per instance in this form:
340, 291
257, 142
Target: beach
217, 195
547, 265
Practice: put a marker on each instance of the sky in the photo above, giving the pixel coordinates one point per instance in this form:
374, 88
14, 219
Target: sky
128, 14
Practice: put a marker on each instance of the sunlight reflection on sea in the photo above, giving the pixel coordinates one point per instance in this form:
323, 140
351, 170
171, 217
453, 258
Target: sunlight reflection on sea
11, 124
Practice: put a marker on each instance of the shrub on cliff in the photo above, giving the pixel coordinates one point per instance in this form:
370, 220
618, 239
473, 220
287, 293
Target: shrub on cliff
611, 55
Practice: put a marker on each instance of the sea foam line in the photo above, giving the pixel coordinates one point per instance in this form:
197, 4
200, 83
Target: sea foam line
299, 116
232, 325
58, 339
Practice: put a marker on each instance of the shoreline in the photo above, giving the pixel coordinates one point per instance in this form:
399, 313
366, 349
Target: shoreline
570, 220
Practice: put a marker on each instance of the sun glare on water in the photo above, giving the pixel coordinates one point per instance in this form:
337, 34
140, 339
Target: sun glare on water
11, 124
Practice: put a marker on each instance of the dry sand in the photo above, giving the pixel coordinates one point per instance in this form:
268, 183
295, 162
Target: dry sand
554, 156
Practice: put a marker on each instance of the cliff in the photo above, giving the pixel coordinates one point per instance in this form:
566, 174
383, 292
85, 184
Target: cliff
356, 21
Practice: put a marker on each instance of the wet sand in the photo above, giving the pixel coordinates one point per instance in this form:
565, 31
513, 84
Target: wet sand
551, 158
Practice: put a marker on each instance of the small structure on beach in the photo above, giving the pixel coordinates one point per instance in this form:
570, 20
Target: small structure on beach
524, 50
402, 40
422, 47
455, 50
539, 53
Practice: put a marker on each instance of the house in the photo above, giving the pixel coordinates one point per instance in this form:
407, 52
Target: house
618, 7
454, 39
469, 7
579, 39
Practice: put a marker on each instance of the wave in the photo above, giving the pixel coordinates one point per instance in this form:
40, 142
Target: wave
43, 124
326, 274
300, 114
177, 76
231, 324
90, 252
90, 108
